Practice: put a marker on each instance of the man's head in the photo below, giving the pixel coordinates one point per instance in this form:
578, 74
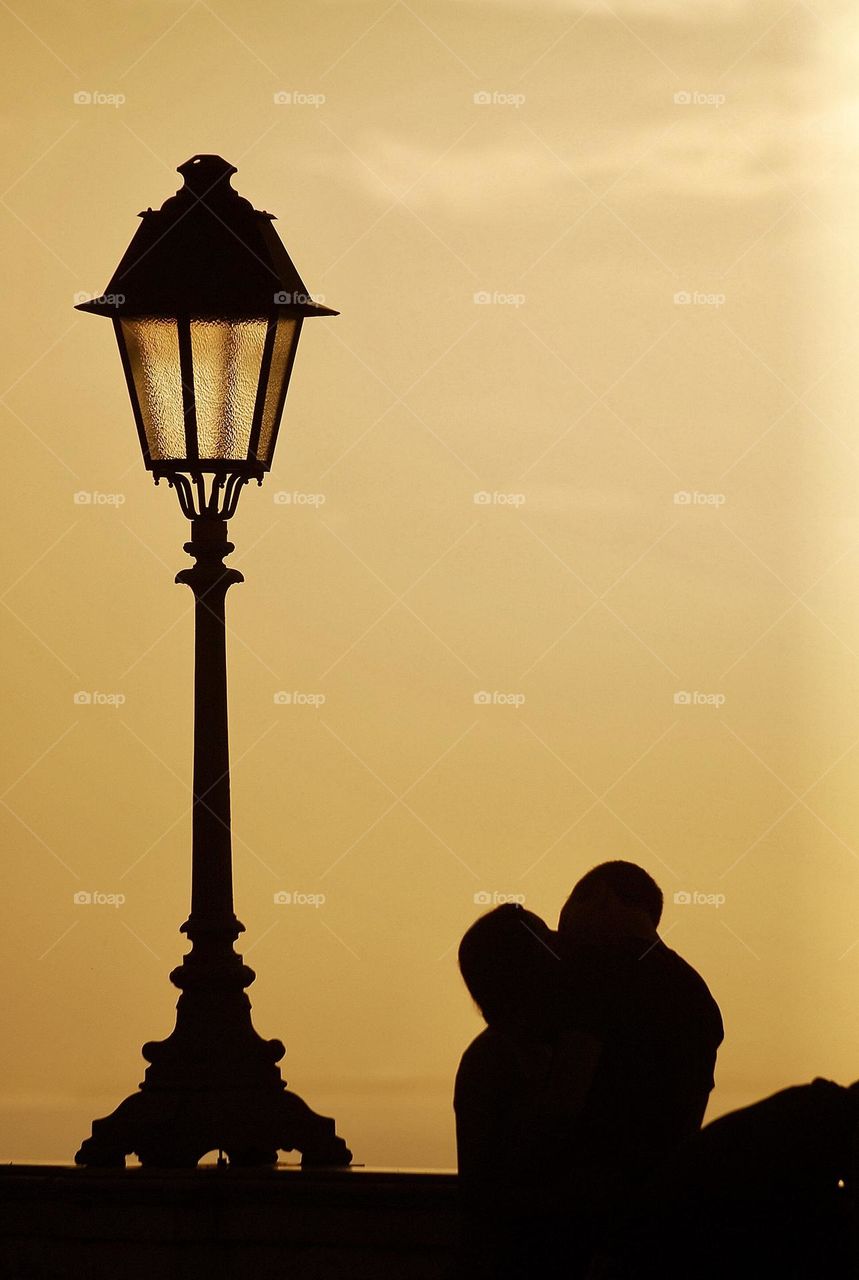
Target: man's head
613, 901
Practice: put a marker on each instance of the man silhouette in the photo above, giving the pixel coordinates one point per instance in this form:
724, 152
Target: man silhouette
657, 1023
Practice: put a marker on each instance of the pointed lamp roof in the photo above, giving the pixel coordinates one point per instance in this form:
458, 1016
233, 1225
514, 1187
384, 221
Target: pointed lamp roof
206, 252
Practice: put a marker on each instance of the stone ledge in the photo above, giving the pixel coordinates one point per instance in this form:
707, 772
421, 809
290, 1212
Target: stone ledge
57, 1221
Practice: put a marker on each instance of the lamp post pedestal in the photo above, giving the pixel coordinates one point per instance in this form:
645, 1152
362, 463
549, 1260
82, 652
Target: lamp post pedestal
214, 1083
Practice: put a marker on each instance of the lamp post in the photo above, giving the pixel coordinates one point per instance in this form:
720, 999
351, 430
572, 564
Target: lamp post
207, 308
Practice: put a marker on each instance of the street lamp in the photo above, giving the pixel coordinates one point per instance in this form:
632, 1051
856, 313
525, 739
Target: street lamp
207, 308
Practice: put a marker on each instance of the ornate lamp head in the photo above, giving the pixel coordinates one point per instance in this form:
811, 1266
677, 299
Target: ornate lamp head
207, 308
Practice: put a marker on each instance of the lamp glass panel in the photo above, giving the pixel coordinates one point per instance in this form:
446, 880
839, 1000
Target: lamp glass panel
285, 338
152, 346
227, 356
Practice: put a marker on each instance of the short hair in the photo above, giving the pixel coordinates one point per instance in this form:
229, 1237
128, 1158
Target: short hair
630, 882
505, 959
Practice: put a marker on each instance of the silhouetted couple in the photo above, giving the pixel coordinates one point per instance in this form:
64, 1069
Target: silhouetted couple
596, 1063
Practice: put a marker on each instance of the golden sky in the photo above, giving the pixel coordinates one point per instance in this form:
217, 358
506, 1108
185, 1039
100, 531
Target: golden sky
596, 264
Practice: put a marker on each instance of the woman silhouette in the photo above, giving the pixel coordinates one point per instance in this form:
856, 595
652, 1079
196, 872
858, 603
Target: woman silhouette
519, 1089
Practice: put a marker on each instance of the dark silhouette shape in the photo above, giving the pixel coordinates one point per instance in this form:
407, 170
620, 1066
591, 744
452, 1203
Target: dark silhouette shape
659, 1026
763, 1191
519, 1090
596, 1062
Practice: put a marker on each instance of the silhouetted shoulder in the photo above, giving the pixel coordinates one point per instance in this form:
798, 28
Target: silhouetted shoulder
665, 969
661, 1030
622, 984
488, 1057
495, 1066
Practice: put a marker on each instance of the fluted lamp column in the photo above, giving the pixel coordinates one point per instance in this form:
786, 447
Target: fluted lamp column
207, 308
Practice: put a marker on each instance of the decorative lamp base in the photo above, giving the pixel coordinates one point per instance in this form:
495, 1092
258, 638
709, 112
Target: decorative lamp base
213, 1084
174, 1129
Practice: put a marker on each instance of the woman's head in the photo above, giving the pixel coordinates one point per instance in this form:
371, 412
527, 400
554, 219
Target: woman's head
509, 964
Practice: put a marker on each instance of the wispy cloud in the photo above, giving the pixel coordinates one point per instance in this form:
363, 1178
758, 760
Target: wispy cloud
680, 151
